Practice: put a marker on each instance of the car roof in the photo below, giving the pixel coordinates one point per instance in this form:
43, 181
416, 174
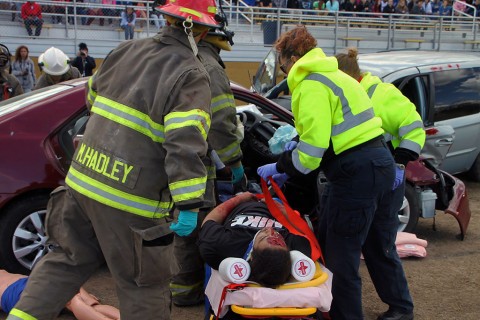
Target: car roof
384, 63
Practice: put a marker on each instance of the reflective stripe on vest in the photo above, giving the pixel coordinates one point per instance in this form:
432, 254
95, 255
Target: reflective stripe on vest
229, 152
185, 290
222, 101
16, 314
91, 93
309, 150
402, 131
188, 189
371, 90
196, 117
350, 120
115, 198
128, 117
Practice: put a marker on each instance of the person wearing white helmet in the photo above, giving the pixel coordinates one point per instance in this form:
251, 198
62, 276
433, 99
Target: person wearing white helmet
56, 68
143, 153
187, 284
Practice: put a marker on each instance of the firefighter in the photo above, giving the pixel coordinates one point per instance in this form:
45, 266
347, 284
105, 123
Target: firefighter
55, 67
187, 284
143, 152
9, 85
339, 132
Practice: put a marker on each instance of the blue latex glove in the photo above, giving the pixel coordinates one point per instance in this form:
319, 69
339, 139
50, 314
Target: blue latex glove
237, 174
399, 175
280, 178
267, 170
187, 221
290, 145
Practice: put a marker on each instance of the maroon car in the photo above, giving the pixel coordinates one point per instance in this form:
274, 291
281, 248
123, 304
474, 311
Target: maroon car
38, 132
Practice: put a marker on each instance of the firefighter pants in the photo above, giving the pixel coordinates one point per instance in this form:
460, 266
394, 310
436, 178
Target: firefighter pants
187, 284
359, 214
137, 250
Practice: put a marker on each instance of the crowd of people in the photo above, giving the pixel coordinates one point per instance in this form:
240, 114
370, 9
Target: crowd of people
18, 73
151, 214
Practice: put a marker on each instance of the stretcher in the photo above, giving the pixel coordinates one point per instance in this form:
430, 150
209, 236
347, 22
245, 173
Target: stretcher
293, 300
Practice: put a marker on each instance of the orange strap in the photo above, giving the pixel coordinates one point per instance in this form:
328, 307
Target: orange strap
292, 220
228, 288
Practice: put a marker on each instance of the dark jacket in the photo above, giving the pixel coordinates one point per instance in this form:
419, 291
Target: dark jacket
85, 66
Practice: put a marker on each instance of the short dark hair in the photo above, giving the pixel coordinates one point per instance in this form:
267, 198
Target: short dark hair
82, 46
270, 267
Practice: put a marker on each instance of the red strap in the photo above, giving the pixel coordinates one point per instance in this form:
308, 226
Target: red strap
292, 220
229, 287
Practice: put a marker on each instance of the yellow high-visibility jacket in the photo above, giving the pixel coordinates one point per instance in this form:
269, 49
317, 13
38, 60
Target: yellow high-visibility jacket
400, 119
328, 105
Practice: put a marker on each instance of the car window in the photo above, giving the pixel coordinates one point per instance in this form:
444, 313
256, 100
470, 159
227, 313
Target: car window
265, 78
457, 93
414, 88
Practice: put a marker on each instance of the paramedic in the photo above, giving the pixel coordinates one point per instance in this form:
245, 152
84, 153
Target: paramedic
187, 284
338, 131
243, 227
144, 150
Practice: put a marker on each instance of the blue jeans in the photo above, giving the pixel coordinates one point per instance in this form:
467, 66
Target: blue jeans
128, 31
357, 216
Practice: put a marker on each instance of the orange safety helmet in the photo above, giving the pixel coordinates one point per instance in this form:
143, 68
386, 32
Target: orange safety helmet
202, 11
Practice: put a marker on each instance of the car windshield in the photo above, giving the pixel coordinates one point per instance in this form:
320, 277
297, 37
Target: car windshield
24, 100
265, 79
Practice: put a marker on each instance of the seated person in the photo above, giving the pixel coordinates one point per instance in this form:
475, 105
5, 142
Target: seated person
243, 227
83, 305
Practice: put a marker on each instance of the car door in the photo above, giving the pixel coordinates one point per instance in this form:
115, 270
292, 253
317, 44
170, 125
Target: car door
456, 103
439, 138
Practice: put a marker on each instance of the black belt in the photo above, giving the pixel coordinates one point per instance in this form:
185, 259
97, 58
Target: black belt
373, 143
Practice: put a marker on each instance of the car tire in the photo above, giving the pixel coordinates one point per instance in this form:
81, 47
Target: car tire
22, 227
410, 210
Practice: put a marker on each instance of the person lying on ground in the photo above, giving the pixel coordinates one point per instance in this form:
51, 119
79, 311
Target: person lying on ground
83, 305
243, 227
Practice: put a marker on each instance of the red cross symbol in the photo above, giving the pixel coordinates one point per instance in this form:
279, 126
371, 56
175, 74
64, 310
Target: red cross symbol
303, 268
238, 270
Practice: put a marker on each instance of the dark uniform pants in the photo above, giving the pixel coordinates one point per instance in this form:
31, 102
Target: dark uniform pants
137, 250
359, 213
187, 284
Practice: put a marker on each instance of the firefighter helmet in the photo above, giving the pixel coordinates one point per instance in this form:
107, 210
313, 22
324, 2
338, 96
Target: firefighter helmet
4, 57
54, 62
202, 11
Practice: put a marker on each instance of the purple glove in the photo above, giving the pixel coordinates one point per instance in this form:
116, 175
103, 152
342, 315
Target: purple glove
267, 170
280, 178
290, 145
399, 175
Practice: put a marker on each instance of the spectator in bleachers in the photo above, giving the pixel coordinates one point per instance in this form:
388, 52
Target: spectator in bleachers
81, 10
141, 13
349, 6
127, 23
94, 10
24, 69
109, 11
61, 11
32, 16
389, 8
435, 6
401, 7
418, 9
364, 6
157, 18
332, 6
83, 61
427, 7
445, 9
